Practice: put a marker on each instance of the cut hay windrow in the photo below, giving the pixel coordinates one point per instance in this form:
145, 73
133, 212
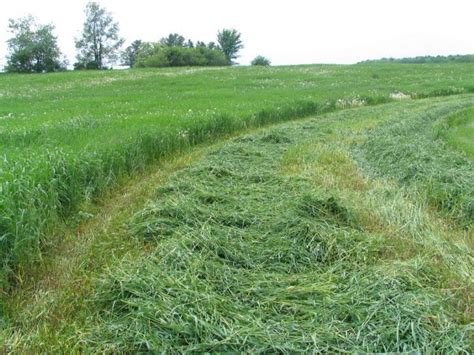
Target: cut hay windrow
267, 245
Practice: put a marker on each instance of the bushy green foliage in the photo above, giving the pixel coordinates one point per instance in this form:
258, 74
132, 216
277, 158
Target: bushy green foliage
33, 48
260, 60
87, 65
146, 50
176, 51
183, 56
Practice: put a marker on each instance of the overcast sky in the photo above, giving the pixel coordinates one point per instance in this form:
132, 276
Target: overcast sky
288, 32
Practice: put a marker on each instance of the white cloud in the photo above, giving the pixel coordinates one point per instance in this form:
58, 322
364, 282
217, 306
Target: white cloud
288, 32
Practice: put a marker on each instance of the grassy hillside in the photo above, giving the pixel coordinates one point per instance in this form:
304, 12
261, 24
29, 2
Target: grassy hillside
66, 137
344, 232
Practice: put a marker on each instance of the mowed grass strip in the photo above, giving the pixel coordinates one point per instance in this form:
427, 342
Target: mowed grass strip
292, 239
67, 137
250, 258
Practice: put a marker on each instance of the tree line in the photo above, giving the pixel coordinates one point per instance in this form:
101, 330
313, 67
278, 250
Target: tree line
33, 47
466, 58
175, 51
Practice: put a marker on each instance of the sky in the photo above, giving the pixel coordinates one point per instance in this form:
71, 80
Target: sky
287, 32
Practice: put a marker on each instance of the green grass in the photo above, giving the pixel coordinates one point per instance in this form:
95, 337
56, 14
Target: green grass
419, 160
67, 137
458, 130
310, 236
351, 231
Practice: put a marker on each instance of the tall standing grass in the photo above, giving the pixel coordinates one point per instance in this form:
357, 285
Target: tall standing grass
56, 182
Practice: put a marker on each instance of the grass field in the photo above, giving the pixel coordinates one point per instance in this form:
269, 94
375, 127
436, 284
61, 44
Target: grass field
299, 237
64, 138
347, 231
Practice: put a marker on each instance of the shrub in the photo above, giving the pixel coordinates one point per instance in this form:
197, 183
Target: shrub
86, 65
261, 60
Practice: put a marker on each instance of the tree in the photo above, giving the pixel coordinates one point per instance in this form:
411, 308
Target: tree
129, 55
100, 40
260, 60
213, 45
230, 43
33, 47
173, 40
146, 50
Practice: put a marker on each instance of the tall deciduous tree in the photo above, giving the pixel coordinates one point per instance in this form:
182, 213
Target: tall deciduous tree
100, 40
33, 47
230, 43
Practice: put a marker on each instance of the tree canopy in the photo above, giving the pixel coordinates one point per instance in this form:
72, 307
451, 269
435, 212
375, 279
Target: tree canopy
100, 40
230, 43
173, 40
33, 47
129, 55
